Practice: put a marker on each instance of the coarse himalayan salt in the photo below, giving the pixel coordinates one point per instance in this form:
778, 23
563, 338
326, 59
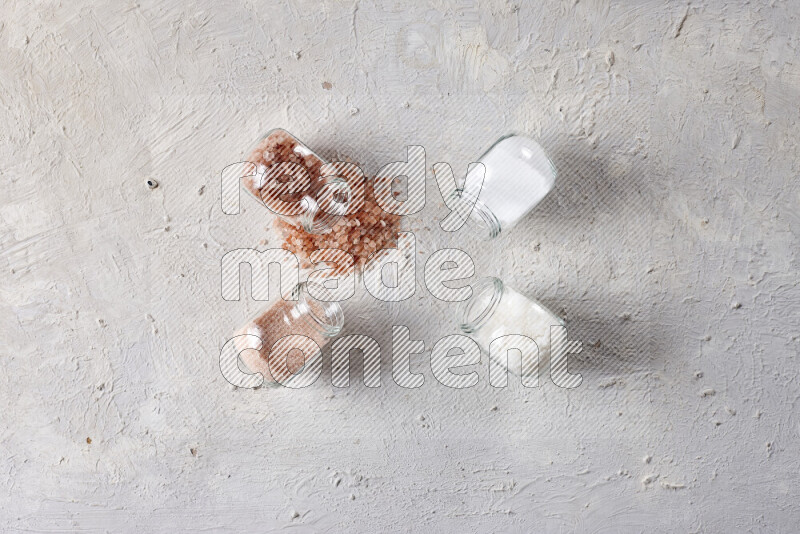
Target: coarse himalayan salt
280, 146
361, 233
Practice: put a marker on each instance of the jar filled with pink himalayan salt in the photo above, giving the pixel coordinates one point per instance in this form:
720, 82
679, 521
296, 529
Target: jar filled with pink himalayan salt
286, 176
287, 337
337, 211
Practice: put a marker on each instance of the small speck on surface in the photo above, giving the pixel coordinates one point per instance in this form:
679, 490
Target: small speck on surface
193, 451
708, 392
649, 479
152, 184
89, 441
610, 59
327, 86
736, 305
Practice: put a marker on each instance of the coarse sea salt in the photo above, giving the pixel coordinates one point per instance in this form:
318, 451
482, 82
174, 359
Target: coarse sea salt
496, 310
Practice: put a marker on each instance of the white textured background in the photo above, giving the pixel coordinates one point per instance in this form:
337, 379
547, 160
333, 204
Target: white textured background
670, 245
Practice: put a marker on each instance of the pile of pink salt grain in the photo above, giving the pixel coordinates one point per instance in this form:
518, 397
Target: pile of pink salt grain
368, 230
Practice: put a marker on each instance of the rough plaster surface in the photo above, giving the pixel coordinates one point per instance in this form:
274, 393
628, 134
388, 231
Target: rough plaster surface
670, 246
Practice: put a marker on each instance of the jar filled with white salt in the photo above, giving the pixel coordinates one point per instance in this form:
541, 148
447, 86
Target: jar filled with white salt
288, 336
518, 175
495, 310
286, 175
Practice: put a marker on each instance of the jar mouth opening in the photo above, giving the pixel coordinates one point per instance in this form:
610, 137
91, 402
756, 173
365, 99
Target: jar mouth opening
480, 219
475, 311
324, 209
326, 317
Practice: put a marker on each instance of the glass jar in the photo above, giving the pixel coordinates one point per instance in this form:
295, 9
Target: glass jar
279, 155
317, 320
519, 174
497, 310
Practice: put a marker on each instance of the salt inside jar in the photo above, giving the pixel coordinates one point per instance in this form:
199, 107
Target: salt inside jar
338, 211
496, 310
279, 158
518, 175
317, 321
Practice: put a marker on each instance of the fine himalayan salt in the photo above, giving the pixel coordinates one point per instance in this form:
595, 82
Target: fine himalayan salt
270, 326
316, 320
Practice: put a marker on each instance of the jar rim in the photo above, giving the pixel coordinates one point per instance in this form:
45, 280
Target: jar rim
322, 213
480, 218
326, 317
473, 312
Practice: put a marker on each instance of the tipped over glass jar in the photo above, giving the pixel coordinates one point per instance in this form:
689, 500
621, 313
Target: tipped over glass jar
319, 205
288, 179
496, 310
287, 337
518, 175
